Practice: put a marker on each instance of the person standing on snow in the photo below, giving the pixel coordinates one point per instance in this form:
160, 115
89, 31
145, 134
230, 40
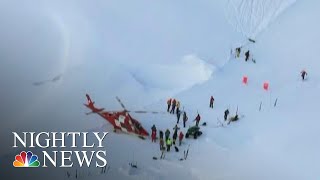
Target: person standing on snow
303, 74
247, 54
185, 119
197, 119
173, 104
226, 113
238, 51
178, 115
167, 134
169, 104
175, 134
162, 148
181, 135
154, 133
211, 102
169, 143
178, 106
161, 134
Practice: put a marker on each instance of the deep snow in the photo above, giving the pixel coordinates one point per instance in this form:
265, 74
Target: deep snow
182, 51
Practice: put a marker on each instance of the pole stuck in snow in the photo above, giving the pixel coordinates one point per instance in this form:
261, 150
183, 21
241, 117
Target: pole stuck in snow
275, 102
237, 111
260, 106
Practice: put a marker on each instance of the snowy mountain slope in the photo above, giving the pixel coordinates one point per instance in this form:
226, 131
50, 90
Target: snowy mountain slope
277, 143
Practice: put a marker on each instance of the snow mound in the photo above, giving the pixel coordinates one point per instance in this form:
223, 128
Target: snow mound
191, 70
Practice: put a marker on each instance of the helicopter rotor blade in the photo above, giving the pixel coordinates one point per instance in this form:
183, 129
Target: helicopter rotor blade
141, 112
120, 102
145, 112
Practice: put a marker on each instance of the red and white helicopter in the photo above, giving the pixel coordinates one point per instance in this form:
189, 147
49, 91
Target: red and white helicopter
121, 120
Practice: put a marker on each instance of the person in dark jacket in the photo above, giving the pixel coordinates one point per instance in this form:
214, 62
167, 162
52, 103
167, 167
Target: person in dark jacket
175, 134
226, 113
161, 134
303, 74
167, 134
162, 148
197, 119
169, 104
178, 106
211, 102
153, 128
178, 115
173, 104
247, 54
185, 119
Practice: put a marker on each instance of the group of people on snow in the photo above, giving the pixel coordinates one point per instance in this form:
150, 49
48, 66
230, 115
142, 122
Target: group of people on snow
165, 141
173, 106
246, 54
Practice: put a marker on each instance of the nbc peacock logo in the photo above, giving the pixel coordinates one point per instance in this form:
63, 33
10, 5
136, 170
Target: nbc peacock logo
26, 160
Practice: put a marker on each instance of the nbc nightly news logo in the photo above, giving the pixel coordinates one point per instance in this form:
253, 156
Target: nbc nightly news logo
45, 140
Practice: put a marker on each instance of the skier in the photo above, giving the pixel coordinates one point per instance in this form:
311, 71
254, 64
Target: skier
211, 102
169, 143
238, 51
161, 134
167, 134
197, 119
173, 104
226, 113
178, 115
169, 104
154, 133
178, 106
303, 74
247, 54
185, 119
175, 134
181, 135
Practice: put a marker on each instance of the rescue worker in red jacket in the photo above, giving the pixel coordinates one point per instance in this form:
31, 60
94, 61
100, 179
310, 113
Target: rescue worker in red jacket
198, 118
181, 135
154, 133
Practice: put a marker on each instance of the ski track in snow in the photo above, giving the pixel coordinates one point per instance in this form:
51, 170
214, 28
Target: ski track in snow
250, 17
